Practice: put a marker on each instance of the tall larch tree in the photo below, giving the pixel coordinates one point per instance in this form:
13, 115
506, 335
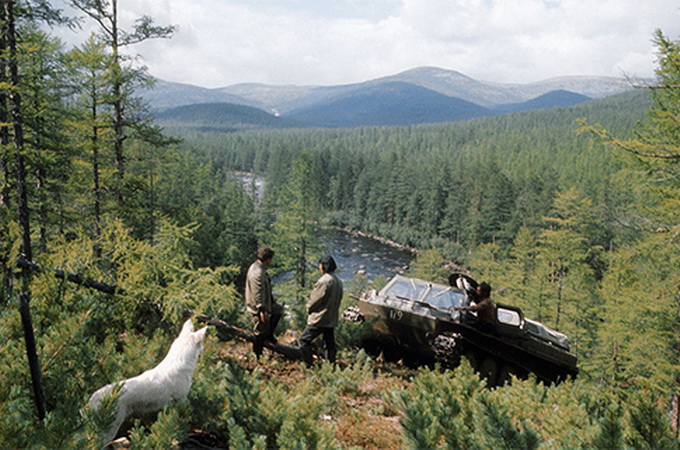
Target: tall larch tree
89, 66
294, 233
105, 14
9, 31
653, 158
564, 256
48, 150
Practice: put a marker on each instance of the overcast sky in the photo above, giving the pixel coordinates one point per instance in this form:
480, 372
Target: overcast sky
328, 42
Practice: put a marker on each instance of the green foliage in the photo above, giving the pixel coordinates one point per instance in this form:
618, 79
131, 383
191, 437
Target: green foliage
500, 431
349, 334
168, 430
344, 381
157, 281
453, 410
259, 413
648, 427
207, 396
244, 394
430, 265
301, 427
99, 420
641, 288
294, 233
611, 429
639, 295
437, 408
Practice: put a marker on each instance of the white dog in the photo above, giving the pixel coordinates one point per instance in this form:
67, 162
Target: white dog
153, 389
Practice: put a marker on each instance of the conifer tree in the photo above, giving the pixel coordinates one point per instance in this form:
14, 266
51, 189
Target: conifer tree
500, 430
648, 426
430, 265
122, 80
611, 429
49, 152
5, 170
521, 272
564, 251
18, 152
89, 66
294, 233
652, 155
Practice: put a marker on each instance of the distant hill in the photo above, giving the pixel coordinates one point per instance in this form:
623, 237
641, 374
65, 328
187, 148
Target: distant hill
165, 95
550, 100
389, 103
221, 117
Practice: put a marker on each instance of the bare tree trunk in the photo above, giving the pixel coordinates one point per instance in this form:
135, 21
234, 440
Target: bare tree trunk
558, 311
118, 117
94, 140
4, 115
5, 200
675, 396
42, 210
23, 211
675, 411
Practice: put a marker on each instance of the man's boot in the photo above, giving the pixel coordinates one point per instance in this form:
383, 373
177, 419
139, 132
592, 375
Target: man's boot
258, 345
273, 321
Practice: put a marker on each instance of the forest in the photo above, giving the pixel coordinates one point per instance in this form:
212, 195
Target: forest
113, 230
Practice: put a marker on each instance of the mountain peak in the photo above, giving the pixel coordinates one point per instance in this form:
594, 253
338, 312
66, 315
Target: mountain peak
432, 71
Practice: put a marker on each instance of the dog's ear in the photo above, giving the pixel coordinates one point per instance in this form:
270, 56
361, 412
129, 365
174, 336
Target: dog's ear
188, 327
200, 334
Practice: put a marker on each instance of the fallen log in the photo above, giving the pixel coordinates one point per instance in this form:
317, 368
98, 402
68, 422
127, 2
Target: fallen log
289, 351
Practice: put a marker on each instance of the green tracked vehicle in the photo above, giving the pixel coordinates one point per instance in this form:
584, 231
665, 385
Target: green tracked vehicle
415, 321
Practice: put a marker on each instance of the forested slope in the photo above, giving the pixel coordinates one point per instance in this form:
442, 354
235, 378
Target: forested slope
112, 233
467, 183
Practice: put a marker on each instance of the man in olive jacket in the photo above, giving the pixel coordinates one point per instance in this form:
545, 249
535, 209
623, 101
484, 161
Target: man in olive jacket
323, 309
260, 302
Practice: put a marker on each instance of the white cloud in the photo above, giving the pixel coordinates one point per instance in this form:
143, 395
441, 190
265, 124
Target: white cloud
223, 42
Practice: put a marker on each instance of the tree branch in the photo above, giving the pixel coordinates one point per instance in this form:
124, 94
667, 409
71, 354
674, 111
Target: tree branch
72, 277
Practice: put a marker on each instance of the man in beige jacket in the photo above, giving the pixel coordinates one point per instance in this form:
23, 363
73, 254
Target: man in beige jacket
323, 309
260, 302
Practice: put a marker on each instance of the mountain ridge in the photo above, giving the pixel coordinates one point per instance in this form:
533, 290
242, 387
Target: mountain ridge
419, 95
283, 98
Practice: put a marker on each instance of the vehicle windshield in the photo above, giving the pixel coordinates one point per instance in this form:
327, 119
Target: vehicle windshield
437, 295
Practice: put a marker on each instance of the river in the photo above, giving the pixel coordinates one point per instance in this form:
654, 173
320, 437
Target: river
354, 254
361, 255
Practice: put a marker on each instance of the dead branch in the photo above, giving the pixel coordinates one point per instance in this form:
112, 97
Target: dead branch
289, 351
72, 277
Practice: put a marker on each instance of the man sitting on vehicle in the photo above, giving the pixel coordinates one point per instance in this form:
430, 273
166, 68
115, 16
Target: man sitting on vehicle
485, 309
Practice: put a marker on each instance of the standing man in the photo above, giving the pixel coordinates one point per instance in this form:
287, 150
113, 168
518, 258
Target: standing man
323, 309
260, 302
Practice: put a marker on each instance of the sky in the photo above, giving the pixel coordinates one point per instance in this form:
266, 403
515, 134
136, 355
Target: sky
220, 43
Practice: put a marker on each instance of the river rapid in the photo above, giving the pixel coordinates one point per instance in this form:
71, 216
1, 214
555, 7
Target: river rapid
361, 255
